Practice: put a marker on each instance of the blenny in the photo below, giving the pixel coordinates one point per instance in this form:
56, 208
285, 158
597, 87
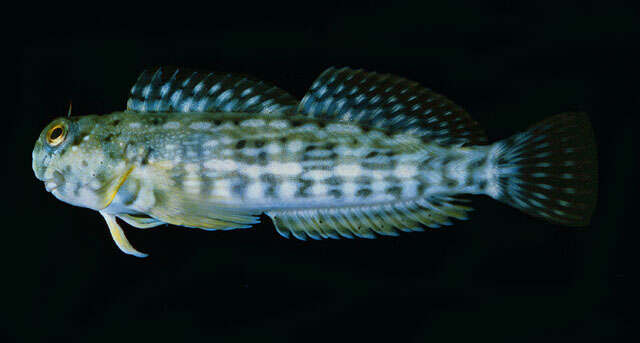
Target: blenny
362, 154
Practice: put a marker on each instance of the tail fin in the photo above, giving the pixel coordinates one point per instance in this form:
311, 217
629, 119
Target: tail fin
549, 171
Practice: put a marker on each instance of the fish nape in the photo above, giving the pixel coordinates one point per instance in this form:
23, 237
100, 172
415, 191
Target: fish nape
361, 155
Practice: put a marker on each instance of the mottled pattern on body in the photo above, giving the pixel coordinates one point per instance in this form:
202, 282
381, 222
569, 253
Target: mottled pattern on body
295, 162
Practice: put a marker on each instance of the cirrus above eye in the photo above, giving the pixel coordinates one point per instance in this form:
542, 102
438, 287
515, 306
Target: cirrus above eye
56, 135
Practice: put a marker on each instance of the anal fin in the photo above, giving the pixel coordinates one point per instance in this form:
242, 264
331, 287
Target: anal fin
366, 221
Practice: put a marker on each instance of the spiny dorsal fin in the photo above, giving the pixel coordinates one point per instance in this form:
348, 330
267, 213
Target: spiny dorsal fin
168, 89
392, 102
363, 221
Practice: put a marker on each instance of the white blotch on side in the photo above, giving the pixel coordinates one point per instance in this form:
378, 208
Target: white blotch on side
347, 151
200, 125
319, 189
226, 140
191, 168
343, 128
295, 146
348, 170
95, 185
410, 188
405, 171
379, 186
379, 174
192, 184
255, 190
279, 124
253, 123
317, 175
251, 151
273, 149
287, 190
210, 144
221, 188
285, 169
135, 125
349, 189
253, 171
171, 125
221, 165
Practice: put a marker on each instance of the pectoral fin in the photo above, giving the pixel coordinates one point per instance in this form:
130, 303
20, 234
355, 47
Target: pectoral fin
119, 237
139, 221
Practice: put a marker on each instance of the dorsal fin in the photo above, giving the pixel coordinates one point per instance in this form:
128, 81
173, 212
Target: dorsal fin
168, 89
392, 102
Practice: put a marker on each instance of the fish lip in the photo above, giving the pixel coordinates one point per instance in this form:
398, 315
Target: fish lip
53, 182
50, 185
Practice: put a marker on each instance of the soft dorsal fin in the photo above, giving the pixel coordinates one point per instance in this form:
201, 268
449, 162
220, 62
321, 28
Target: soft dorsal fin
168, 89
392, 102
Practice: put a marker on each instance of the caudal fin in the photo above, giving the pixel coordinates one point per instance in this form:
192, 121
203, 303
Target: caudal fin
549, 171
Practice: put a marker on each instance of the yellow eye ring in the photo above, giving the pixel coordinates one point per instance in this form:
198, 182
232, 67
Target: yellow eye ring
56, 135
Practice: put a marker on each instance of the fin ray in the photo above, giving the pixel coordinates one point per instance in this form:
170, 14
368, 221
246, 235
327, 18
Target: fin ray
391, 102
119, 237
140, 222
549, 171
365, 222
168, 89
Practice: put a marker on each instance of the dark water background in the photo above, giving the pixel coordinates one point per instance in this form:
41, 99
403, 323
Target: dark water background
501, 275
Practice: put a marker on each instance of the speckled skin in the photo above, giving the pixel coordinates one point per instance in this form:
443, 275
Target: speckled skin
126, 163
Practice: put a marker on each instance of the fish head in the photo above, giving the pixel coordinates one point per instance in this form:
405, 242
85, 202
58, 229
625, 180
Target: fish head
76, 162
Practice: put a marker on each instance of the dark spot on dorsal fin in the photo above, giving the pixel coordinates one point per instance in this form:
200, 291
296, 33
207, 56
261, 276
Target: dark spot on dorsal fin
241, 143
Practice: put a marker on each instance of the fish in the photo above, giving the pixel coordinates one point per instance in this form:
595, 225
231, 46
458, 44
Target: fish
362, 155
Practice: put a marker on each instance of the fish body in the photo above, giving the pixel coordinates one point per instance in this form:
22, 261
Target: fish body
362, 153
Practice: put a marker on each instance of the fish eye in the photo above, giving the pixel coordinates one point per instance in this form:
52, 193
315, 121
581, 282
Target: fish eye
56, 135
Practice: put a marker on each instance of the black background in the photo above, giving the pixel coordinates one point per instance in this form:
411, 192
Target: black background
500, 275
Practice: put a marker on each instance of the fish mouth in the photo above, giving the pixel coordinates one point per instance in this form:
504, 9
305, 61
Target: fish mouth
50, 186
53, 182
